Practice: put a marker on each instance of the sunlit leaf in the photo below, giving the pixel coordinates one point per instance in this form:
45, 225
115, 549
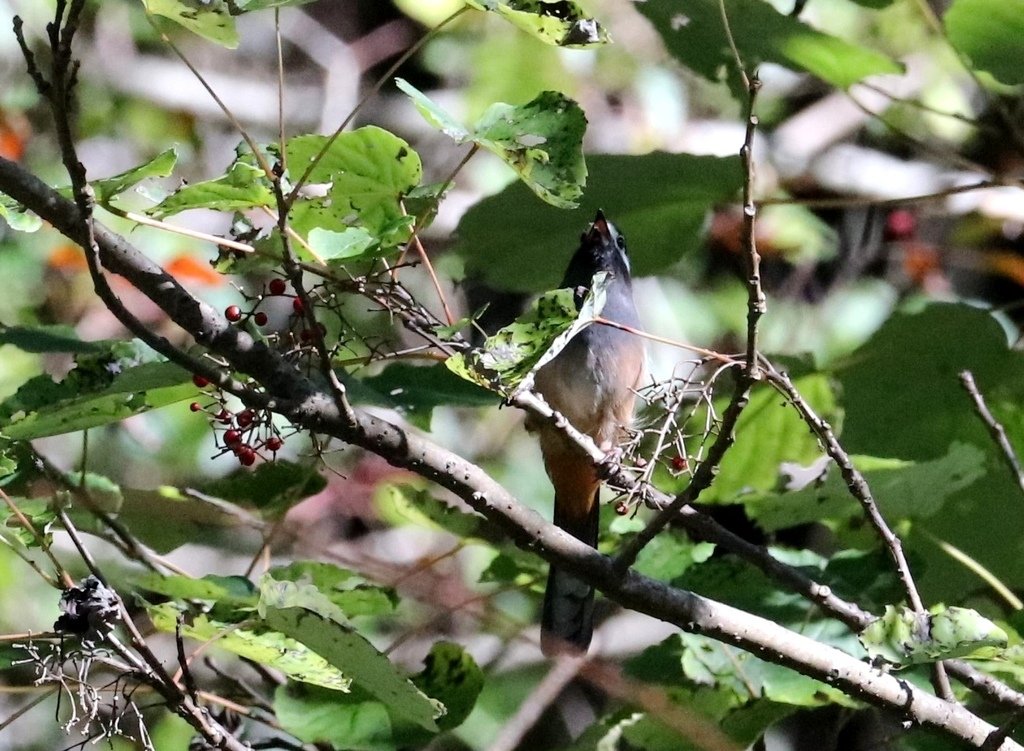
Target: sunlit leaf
210, 19
367, 172
346, 589
270, 648
558, 22
159, 166
991, 34
541, 140
349, 244
106, 386
244, 186
40, 513
17, 216
902, 637
304, 614
536, 337
406, 504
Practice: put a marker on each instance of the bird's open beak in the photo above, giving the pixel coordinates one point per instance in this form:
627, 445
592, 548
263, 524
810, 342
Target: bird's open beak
599, 229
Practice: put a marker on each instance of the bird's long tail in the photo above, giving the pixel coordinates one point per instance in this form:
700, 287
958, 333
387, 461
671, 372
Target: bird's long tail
567, 621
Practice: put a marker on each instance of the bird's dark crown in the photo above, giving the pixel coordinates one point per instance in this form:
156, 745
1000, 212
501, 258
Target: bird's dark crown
602, 248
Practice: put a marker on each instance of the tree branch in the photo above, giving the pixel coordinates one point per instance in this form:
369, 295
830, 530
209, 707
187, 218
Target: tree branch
310, 406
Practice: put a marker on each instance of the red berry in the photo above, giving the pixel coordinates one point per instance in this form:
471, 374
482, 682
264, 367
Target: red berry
196, 407
277, 286
233, 313
246, 456
224, 416
678, 463
901, 224
621, 508
245, 418
297, 306
201, 382
274, 443
260, 318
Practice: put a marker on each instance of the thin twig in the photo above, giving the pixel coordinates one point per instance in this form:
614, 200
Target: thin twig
58, 568
994, 427
859, 489
745, 380
31, 704
540, 698
856, 201
416, 47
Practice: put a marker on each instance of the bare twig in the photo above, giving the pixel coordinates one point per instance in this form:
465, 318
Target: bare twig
299, 400
541, 697
65, 577
745, 380
994, 427
859, 489
366, 98
883, 203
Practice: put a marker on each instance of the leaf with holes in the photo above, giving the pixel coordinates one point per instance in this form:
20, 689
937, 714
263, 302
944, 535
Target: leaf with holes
541, 140
559, 22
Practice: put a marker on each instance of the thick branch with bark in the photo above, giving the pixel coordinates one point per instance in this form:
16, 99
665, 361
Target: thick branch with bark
309, 405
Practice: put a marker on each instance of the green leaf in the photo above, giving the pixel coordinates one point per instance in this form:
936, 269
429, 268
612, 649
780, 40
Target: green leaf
358, 721
273, 487
416, 390
406, 504
349, 591
270, 648
904, 379
243, 187
48, 339
369, 171
991, 34
768, 433
17, 216
668, 555
560, 23
541, 140
161, 165
731, 676
246, 6
306, 615
166, 518
902, 637
234, 590
660, 202
40, 513
210, 19
904, 490
694, 33
451, 675
107, 385
355, 720
350, 244
518, 350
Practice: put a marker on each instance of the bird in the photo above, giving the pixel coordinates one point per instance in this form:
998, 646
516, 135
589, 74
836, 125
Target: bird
592, 383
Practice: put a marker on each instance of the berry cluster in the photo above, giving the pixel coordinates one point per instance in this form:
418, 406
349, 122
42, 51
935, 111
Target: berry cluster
250, 434
277, 287
246, 433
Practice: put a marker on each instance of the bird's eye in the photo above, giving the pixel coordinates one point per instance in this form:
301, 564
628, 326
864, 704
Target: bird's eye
620, 241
